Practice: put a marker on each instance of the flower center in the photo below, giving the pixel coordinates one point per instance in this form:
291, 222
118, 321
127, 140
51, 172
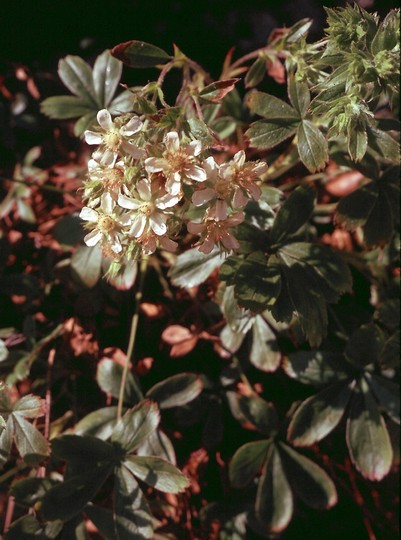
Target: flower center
112, 140
147, 208
113, 178
105, 224
177, 160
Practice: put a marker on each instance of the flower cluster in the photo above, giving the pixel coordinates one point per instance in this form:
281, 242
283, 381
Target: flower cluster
144, 183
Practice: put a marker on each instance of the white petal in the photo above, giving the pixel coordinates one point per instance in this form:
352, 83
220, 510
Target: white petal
158, 223
210, 166
239, 199
221, 210
144, 190
149, 245
133, 126
172, 141
128, 202
104, 119
138, 225
107, 203
115, 243
133, 150
203, 196
239, 158
194, 172
108, 158
194, 148
92, 137
173, 184
167, 201
254, 191
260, 168
154, 164
88, 214
93, 238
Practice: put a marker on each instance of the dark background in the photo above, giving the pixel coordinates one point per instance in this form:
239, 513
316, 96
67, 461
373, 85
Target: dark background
39, 32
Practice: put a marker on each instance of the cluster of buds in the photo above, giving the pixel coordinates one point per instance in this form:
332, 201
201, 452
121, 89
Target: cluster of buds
144, 183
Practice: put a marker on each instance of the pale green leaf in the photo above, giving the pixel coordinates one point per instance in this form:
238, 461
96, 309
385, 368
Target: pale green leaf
192, 267
86, 264
106, 76
176, 390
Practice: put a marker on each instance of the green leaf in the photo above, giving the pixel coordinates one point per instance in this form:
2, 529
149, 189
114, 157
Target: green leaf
255, 411
240, 320
65, 107
357, 142
176, 390
139, 54
76, 74
25, 528
68, 498
28, 491
274, 502
31, 444
312, 146
132, 517
192, 267
106, 76
266, 134
157, 444
364, 346
312, 485
102, 519
68, 230
99, 423
136, 425
367, 436
354, 209
79, 450
256, 73
30, 406
379, 227
108, 377
216, 91
87, 121
86, 264
293, 214
317, 368
246, 462
384, 144
6, 442
299, 95
157, 473
265, 354
122, 103
319, 415
260, 292
271, 108
387, 393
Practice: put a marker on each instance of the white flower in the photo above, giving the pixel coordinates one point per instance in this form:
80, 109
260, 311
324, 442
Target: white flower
107, 225
218, 193
148, 204
112, 178
214, 232
178, 162
113, 139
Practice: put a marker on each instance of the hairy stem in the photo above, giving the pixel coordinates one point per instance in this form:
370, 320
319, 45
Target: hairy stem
132, 336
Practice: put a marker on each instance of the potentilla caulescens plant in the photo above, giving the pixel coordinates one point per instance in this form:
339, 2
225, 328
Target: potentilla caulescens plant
288, 207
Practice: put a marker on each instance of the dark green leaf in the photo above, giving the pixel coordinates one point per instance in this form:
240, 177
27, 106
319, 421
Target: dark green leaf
266, 134
240, 320
293, 214
299, 95
68, 230
157, 473
68, 498
26, 528
30, 490
387, 393
132, 517
271, 108
6, 441
82, 449
317, 368
246, 462
106, 76
357, 142
260, 292
76, 74
354, 209
384, 144
364, 346
319, 415
86, 264
256, 73
175, 391
87, 121
367, 436
136, 425
312, 146
298, 30
265, 354
255, 411
138, 54
99, 423
108, 377
274, 502
65, 107
102, 519
379, 226
157, 444
192, 267
31, 444
312, 485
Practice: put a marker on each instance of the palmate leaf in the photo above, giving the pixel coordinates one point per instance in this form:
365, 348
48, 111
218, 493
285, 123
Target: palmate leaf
93, 90
247, 461
99, 423
136, 425
317, 368
157, 444
31, 444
